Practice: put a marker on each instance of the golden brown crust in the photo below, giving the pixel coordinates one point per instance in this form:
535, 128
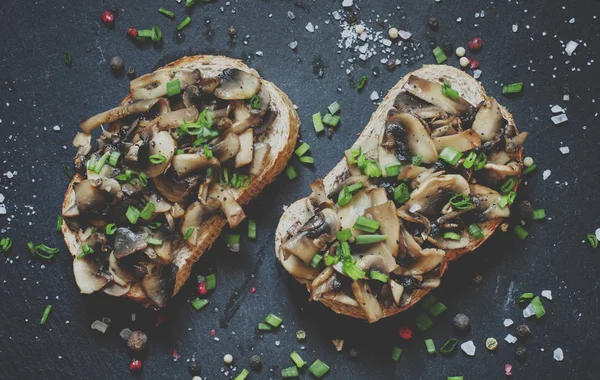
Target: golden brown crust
281, 136
473, 92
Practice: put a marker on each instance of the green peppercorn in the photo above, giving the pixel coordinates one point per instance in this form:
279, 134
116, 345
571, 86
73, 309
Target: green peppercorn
523, 331
300, 335
521, 353
461, 322
194, 368
354, 353
491, 344
255, 362
448, 47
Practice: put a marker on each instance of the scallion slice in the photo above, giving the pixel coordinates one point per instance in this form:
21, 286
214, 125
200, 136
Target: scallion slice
401, 194
529, 169
85, 250
297, 359
188, 233
210, 281
344, 235
251, 229
199, 303
101, 162
362, 82
378, 276
318, 122
455, 378
423, 322
148, 211
111, 228
157, 159
525, 297
290, 372
331, 260
480, 161
113, 160
450, 155
416, 160
353, 189
369, 239
428, 301
430, 346
207, 152
440, 56
448, 91
451, 236
166, 12
154, 241
231, 239
143, 179
173, 87
396, 353
331, 120
449, 346
264, 327
255, 102
318, 369
521, 232
316, 260
156, 34
593, 240
508, 185
392, 170
353, 271
302, 149
539, 214
461, 202
333, 108
273, 320
536, 302
6, 243
470, 160
290, 171
42, 250
307, 160
513, 88
243, 375
224, 176
437, 309
189, 3
46, 314
475, 231
186, 21
366, 224
132, 214
59, 223
372, 169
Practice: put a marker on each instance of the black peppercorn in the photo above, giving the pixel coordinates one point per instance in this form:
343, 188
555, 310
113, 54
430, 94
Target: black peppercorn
131, 72
117, 65
354, 353
525, 210
523, 331
137, 341
461, 322
447, 47
565, 89
477, 280
433, 23
391, 66
521, 353
231, 31
194, 368
255, 362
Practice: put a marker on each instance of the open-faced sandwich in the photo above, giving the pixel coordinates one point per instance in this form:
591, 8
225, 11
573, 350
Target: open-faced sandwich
431, 177
190, 145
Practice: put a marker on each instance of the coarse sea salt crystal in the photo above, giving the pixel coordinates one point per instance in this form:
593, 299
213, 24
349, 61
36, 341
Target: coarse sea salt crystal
414, 208
557, 109
547, 294
570, 48
508, 322
100, 326
564, 149
528, 311
374, 96
515, 28
2, 210
293, 45
386, 42
468, 348
559, 119
546, 174
477, 74
336, 15
347, 3
598, 233
558, 355
405, 35
510, 339
310, 27
1, 198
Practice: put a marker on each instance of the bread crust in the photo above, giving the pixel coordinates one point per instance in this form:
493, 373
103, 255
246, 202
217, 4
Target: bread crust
470, 90
281, 136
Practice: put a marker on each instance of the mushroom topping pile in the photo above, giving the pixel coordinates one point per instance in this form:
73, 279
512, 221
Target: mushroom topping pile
437, 180
177, 153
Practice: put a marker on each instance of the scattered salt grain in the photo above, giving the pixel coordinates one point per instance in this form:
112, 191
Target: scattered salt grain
510, 339
291, 15
598, 233
99, 326
310, 27
547, 294
508, 322
476, 74
528, 311
559, 119
2, 210
558, 355
546, 174
347, 3
414, 208
374, 96
468, 348
564, 149
570, 48
293, 45
259, 53
515, 28
557, 109
56, 128
404, 34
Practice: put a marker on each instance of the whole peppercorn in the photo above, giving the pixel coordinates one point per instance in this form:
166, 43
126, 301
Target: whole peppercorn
475, 44
108, 18
565, 89
521, 353
255, 362
117, 65
354, 353
433, 23
131, 72
523, 331
135, 366
231, 31
137, 341
461, 322
194, 368
477, 280
447, 47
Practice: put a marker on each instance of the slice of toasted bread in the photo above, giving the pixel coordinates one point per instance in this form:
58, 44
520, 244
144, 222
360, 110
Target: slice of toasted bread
300, 211
281, 136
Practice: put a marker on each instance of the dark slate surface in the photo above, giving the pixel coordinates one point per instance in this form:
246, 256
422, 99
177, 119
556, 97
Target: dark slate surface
39, 92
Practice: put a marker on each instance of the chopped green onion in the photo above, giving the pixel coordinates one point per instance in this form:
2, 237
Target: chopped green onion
449, 346
318, 369
59, 223
301, 335
307, 160
264, 327
132, 214
157, 159
439, 55
114, 158
156, 34
124, 176
206, 120
525, 297
67, 171
290, 372
148, 211
297, 359
189, 3
290, 172
179, 151
423, 322
251, 229
316, 260
416, 160
521, 232
333, 108
378, 276
437, 309
370, 239
111, 228
448, 91
31, 246
401, 193
430, 346
302, 149
154, 241
451, 155
331, 260
188, 233
42, 250
353, 189
273, 320
392, 170
231, 239
475, 231
353, 271
210, 281
207, 152
209, 172
199, 303
536, 303
173, 87
166, 12
255, 102
428, 301
513, 88
46, 314
186, 21
366, 224
509, 185
101, 162
224, 176
191, 128
67, 58
461, 202
470, 160
480, 162
344, 235
85, 250
362, 82
538, 214
317, 122
396, 352
530, 169
352, 155
243, 375
143, 179
372, 169
154, 225
592, 239
361, 162
6, 243
455, 378
331, 120
451, 236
